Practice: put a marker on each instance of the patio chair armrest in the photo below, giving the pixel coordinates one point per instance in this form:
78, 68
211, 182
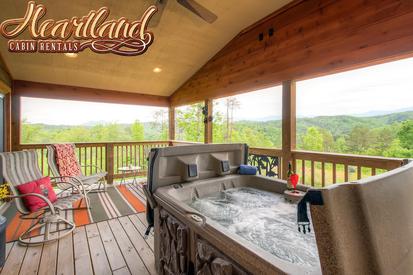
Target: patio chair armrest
98, 169
44, 198
62, 179
76, 186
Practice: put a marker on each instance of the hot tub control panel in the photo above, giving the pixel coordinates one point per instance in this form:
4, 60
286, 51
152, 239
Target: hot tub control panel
192, 170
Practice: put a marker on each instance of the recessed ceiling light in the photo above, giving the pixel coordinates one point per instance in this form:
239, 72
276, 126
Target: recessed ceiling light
157, 70
72, 55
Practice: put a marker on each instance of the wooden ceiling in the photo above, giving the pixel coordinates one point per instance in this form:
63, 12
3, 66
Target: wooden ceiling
183, 44
312, 38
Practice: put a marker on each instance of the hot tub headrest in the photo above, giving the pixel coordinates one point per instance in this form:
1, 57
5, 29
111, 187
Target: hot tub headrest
189, 167
179, 164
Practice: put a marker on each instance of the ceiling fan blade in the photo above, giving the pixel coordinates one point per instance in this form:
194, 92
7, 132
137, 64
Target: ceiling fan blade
156, 18
199, 10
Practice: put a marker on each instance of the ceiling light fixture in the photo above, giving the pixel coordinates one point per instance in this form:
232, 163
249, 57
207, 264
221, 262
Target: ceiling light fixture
157, 70
71, 55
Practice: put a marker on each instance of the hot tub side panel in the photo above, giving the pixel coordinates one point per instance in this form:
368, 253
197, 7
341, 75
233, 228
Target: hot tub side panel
178, 250
366, 227
171, 245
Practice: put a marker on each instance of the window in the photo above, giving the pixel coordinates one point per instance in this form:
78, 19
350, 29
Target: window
49, 120
367, 111
189, 123
253, 118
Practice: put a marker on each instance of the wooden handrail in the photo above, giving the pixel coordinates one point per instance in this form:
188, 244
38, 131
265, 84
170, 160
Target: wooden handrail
271, 152
184, 142
350, 159
93, 144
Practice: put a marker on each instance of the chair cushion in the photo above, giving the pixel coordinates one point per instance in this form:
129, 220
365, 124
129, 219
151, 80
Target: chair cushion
92, 179
41, 186
67, 202
66, 160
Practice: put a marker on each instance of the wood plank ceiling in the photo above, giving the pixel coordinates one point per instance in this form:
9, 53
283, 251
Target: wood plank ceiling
311, 38
183, 43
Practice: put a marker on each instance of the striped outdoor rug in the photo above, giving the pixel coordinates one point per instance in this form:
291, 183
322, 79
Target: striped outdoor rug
119, 200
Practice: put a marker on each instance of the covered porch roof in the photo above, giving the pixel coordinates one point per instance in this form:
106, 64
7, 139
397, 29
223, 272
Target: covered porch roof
183, 43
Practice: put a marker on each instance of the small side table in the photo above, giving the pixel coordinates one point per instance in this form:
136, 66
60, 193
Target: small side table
129, 169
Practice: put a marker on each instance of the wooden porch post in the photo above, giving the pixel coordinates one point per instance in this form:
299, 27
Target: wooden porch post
110, 163
171, 123
7, 122
288, 124
208, 122
15, 121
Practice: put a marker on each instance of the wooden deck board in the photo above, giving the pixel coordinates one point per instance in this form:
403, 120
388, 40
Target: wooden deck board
48, 261
134, 262
142, 228
139, 243
65, 260
14, 260
122, 271
32, 258
8, 248
83, 264
112, 247
113, 253
97, 251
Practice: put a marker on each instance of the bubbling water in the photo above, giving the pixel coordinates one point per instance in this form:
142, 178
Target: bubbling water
263, 218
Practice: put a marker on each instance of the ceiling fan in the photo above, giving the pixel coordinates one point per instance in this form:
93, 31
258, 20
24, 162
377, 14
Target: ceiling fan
191, 5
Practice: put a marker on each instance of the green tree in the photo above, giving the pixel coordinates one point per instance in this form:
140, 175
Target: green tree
313, 140
340, 145
405, 134
396, 150
328, 140
189, 123
161, 121
137, 131
32, 133
359, 140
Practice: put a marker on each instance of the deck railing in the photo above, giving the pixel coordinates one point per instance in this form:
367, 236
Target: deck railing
268, 161
315, 168
108, 156
321, 169
318, 169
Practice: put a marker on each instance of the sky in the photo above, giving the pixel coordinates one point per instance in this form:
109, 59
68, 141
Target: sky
66, 112
384, 88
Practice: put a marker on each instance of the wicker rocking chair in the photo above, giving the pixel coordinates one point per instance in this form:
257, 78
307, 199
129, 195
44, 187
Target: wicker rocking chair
22, 167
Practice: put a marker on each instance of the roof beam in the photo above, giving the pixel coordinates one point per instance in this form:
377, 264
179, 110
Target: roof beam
53, 91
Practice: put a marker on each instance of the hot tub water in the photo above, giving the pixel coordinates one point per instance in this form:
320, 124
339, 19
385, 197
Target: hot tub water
263, 218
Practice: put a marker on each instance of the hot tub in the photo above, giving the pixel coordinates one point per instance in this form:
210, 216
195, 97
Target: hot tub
210, 220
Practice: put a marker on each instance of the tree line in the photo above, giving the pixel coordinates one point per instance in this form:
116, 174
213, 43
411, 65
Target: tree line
387, 135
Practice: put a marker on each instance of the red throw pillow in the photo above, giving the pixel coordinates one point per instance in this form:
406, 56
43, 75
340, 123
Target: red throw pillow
41, 186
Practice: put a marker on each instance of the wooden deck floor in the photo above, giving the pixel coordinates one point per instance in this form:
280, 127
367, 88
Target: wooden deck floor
115, 246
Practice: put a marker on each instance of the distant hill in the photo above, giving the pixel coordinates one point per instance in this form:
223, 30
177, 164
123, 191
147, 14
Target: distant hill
381, 113
337, 125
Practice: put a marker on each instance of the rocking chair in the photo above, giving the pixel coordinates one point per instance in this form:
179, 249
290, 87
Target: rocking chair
22, 167
92, 183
